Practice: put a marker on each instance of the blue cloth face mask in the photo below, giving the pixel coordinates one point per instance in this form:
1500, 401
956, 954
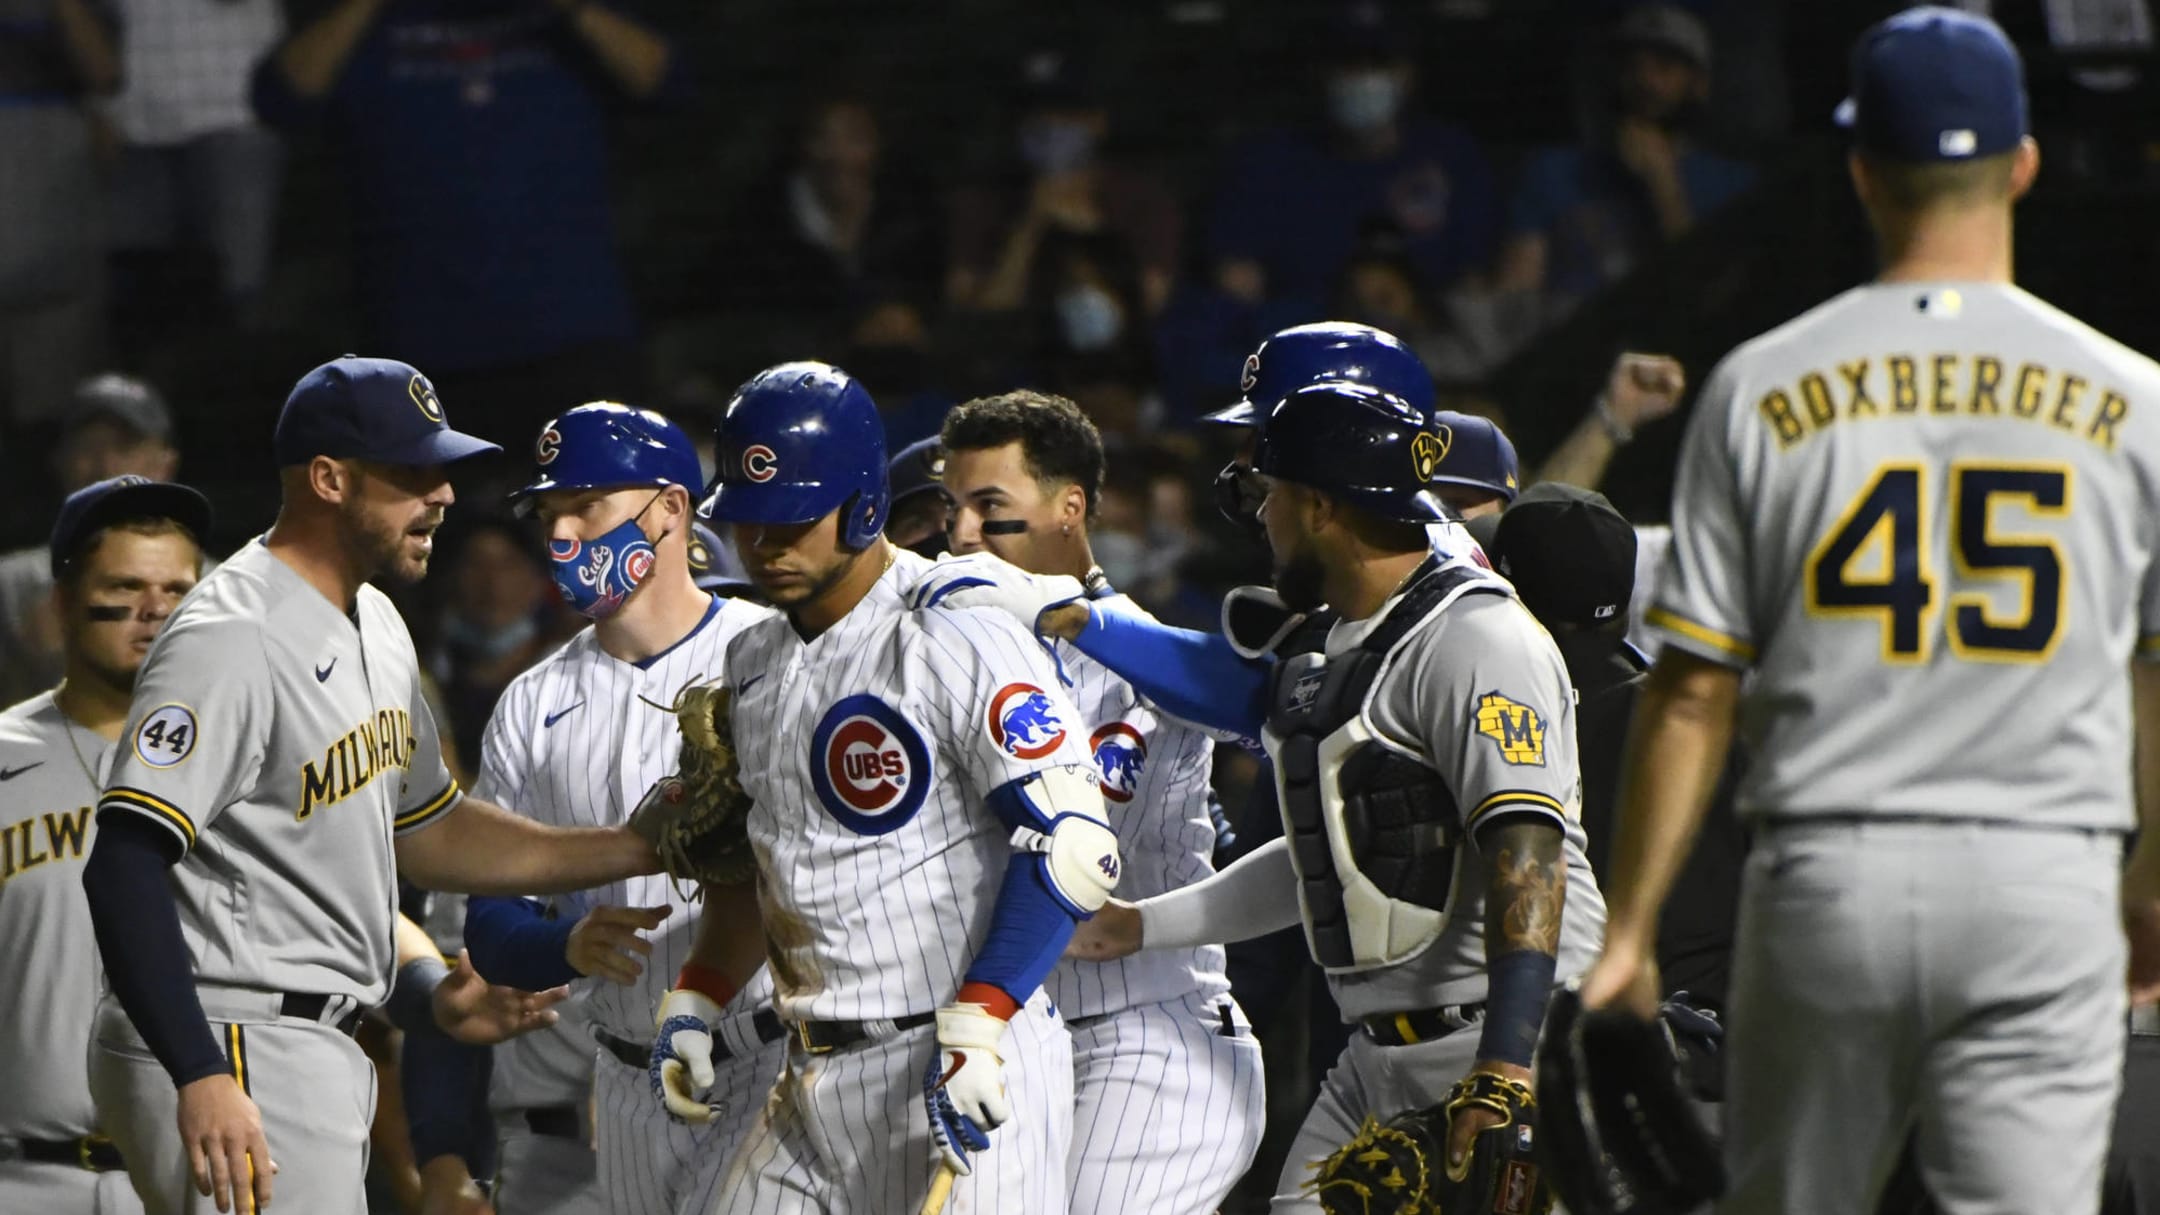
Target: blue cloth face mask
595, 577
1051, 147
1365, 101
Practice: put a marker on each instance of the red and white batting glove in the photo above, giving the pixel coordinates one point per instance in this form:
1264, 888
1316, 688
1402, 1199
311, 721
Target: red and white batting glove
964, 1089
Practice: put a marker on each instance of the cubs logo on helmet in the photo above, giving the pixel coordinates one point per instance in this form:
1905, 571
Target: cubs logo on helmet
548, 446
1251, 375
759, 463
869, 765
1121, 756
1024, 721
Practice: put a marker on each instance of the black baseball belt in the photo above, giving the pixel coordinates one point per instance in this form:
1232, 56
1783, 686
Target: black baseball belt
1424, 1025
824, 1037
313, 1007
639, 1054
93, 1152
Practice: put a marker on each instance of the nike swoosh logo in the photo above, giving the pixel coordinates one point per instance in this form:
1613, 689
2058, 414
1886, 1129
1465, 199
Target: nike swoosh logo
323, 673
12, 773
958, 1061
550, 720
747, 684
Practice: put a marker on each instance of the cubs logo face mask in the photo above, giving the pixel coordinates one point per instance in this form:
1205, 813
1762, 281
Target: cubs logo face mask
595, 577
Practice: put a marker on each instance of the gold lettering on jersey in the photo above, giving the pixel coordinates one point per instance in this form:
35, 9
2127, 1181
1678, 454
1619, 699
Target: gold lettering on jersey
1977, 386
57, 835
1904, 393
1855, 376
1987, 376
2066, 401
380, 744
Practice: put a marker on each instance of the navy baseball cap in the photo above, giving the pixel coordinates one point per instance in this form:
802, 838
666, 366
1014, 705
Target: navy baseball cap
1933, 84
118, 500
381, 410
1475, 453
917, 468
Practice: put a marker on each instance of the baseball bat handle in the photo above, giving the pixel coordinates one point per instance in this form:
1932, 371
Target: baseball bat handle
941, 1184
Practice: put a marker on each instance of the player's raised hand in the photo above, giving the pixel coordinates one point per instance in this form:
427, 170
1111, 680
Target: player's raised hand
473, 1010
605, 943
1644, 387
1111, 933
982, 580
681, 1064
227, 1151
964, 1088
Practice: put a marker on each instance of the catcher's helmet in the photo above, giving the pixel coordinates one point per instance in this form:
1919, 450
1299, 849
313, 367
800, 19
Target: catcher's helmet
1368, 447
1619, 1134
797, 442
1321, 352
608, 446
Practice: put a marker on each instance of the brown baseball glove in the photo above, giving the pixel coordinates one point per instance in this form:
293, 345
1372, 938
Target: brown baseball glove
698, 819
1400, 1167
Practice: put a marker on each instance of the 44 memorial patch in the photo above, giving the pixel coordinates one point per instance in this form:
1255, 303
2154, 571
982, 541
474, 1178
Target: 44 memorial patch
1514, 726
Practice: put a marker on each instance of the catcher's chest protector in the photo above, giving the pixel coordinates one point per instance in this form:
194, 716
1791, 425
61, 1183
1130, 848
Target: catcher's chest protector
1374, 832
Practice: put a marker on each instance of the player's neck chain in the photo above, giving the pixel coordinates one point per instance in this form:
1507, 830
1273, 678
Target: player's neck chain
68, 724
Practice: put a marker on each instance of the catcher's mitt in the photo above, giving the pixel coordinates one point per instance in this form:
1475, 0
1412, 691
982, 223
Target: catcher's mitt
698, 819
1400, 1167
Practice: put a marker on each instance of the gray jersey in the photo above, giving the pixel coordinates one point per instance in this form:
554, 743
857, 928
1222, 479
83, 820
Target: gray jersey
46, 946
282, 743
1926, 515
1479, 693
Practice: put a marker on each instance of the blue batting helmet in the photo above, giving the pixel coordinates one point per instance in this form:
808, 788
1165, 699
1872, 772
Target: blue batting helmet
797, 442
608, 446
1328, 351
1355, 442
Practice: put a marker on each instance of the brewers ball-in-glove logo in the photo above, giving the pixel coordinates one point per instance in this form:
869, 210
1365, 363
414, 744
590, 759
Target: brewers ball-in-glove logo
423, 395
1515, 726
1024, 721
1121, 756
760, 463
1427, 450
548, 446
868, 765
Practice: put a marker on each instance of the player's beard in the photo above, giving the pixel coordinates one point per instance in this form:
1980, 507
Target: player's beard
1299, 578
812, 587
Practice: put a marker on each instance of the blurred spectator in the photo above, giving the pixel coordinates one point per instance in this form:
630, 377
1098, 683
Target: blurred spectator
890, 351
54, 54
1452, 333
1288, 212
1058, 181
115, 425
473, 133
1093, 343
1584, 216
195, 168
501, 616
829, 233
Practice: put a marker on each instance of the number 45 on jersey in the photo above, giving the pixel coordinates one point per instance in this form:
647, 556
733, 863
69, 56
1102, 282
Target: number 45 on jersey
1887, 524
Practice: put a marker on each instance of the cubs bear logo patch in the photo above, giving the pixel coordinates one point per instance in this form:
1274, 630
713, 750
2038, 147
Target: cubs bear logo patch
1514, 726
1023, 721
1121, 755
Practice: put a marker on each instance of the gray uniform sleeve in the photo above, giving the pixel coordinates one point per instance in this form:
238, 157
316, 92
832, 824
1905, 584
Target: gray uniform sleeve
198, 730
429, 791
1701, 603
1495, 712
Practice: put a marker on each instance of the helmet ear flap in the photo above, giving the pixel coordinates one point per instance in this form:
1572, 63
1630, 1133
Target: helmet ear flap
862, 519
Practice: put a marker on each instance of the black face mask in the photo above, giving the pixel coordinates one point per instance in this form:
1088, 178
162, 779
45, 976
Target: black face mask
1238, 495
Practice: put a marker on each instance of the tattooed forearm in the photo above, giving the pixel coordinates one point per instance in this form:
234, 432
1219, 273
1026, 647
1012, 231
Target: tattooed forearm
1526, 887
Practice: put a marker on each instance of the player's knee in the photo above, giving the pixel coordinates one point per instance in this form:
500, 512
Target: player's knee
1083, 861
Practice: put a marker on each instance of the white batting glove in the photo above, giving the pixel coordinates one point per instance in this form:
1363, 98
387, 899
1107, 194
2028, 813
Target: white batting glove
681, 1066
964, 1090
982, 580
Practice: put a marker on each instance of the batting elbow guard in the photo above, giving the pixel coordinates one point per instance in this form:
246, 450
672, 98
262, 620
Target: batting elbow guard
1057, 814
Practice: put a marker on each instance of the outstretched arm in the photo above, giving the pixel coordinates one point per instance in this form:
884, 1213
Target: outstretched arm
480, 848
1197, 676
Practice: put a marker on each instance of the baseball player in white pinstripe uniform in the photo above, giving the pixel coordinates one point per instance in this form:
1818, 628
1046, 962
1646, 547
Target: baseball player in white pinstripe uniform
928, 829
576, 741
1167, 1079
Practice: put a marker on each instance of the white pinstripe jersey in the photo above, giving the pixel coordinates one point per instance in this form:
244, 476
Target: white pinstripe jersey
576, 741
1155, 770
868, 752
46, 945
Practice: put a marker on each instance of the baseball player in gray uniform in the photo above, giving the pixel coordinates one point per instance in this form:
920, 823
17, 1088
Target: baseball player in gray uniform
122, 555
1914, 542
278, 771
1422, 695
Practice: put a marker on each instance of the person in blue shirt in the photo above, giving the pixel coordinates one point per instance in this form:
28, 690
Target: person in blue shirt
1583, 216
473, 137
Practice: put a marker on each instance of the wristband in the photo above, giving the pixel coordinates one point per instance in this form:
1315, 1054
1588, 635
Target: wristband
991, 998
412, 998
706, 981
1619, 432
1517, 986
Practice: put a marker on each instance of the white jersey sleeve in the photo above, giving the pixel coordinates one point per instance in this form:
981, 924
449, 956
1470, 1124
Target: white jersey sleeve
1006, 713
